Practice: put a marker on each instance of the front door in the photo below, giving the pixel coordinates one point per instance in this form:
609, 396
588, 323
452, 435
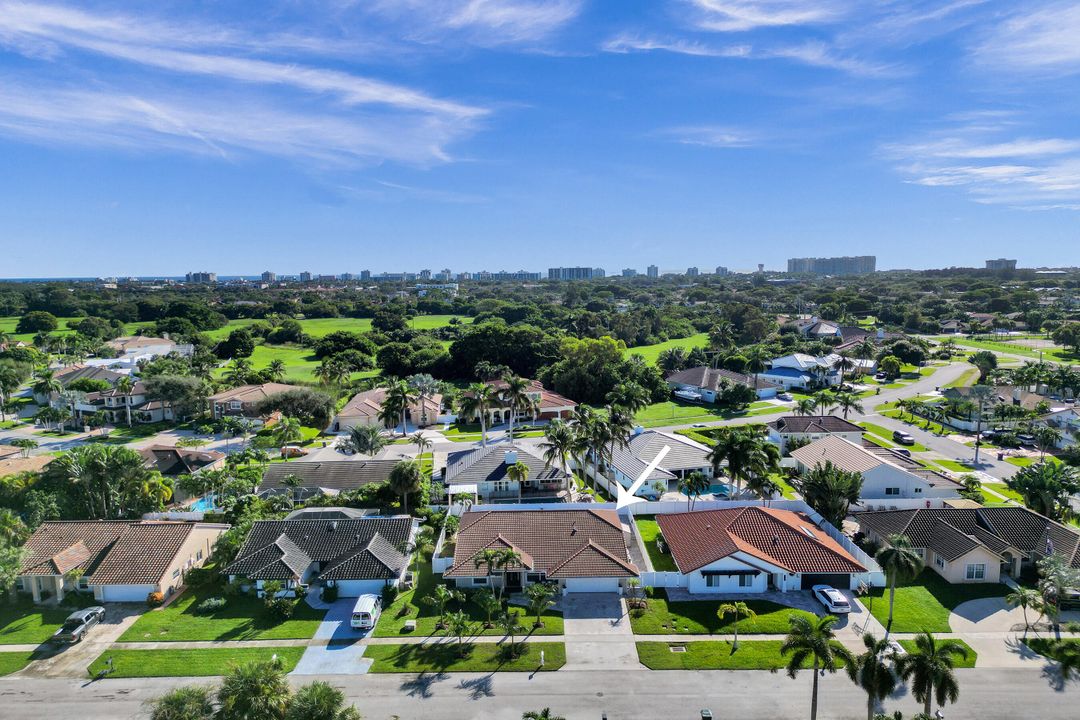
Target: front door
513, 582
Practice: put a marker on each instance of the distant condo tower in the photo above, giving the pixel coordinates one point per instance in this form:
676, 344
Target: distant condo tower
201, 277
269, 277
833, 266
653, 271
1001, 264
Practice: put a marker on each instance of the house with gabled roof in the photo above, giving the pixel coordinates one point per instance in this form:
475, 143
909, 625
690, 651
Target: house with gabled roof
754, 549
708, 383
976, 545
483, 472
579, 550
802, 429
114, 560
365, 407
629, 461
244, 400
357, 555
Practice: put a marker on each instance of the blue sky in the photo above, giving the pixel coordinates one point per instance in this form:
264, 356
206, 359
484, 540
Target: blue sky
158, 137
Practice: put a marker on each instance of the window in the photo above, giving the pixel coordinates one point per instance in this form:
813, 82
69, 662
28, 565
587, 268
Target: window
502, 485
236, 404
892, 491
534, 577
918, 490
712, 581
975, 571
198, 555
939, 562
746, 581
176, 573
479, 581
84, 583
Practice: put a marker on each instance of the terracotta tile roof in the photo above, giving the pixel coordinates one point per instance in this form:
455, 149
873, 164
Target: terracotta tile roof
134, 342
779, 537
109, 553
369, 403
560, 543
251, 393
548, 399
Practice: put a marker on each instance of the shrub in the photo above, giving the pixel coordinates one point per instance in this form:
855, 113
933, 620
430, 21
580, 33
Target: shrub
200, 576
155, 599
329, 593
389, 595
210, 605
281, 609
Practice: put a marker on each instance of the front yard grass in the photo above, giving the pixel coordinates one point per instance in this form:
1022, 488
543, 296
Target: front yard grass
24, 623
887, 434
649, 531
1049, 647
959, 662
954, 466
189, 663
409, 605
712, 655
242, 618
472, 657
698, 617
1000, 489
14, 661
926, 602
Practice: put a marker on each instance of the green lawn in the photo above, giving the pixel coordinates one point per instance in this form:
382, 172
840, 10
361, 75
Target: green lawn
954, 466
471, 657
410, 606
1028, 461
712, 655
788, 492
320, 327
649, 530
243, 618
926, 602
886, 434
24, 623
1049, 647
14, 661
917, 421
1000, 489
677, 412
698, 617
652, 352
967, 379
189, 663
968, 662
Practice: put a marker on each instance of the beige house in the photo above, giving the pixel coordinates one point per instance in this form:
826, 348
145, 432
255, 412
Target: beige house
115, 561
243, 400
364, 408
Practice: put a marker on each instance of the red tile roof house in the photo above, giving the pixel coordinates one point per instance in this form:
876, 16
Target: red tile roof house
116, 560
549, 405
580, 550
243, 400
755, 549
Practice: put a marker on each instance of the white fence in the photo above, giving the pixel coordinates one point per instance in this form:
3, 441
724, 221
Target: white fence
874, 504
663, 579
174, 515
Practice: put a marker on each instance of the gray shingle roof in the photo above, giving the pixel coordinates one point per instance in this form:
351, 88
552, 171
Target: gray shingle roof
713, 378
285, 549
813, 424
338, 475
489, 465
642, 449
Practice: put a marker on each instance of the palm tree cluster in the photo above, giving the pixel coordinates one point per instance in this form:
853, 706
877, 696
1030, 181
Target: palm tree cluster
254, 691
110, 481
750, 459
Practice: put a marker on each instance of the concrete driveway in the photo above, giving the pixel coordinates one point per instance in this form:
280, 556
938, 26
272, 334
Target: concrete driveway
337, 649
597, 632
72, 660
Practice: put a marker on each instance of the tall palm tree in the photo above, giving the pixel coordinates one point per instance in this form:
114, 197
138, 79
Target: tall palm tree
930, 668
518, 473
124, 385
814, 642
365, 440
405, 478
628, 396
400, 395
46, 384
901, 563
557, 445
515, 396
738, 609
477, 401
425, 387
693, 485
823, 400
873, 672
805, 406
747, 453
287, 431
1025, 598
843, 364
847, 402
237, 372
756, 359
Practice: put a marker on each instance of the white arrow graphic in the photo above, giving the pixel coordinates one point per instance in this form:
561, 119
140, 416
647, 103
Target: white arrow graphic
629, 497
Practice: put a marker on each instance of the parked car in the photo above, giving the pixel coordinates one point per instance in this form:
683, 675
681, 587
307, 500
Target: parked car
1025, 439
833, 600
366, 612
78, 624
881, 376
293, 451
902, 437
785, 396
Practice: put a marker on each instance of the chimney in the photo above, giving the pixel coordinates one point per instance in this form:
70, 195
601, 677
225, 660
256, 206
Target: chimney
510, 457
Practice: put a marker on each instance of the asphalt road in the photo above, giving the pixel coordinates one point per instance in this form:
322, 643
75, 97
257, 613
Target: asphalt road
577, 695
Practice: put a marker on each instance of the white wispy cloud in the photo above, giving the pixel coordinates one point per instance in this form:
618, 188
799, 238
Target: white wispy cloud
484, 22
1035, 37
259, 104
713, 136
1024, 172
743, 15
630, 42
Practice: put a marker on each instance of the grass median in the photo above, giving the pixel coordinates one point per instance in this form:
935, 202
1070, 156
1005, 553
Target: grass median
469, 657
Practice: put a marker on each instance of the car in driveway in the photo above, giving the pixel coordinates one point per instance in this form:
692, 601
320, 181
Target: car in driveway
78, 624
786, 397
902, 437
833, 600
699, 425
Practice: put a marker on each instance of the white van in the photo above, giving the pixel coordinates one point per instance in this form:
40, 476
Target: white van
366, 612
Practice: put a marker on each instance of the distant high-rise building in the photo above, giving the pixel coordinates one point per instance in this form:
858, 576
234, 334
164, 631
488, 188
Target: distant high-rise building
599, 273
201, 277
305, 276
365, 275
833, 266
722, 271
443, 275
1000, 264
268, 276
653, 271
425, 275
629, 272
572, 273
346, 276
692, 272
328, 277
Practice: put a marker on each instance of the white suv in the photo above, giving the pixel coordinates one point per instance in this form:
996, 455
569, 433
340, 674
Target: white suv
833, 600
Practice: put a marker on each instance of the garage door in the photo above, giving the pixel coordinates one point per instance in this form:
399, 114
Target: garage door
356, 588
592, 585
125, 593
840, 581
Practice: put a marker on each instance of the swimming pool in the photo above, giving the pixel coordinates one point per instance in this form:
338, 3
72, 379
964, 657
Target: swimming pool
718, 489
203, 504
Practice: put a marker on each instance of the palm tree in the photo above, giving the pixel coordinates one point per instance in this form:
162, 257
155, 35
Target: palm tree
320, 701
275, 371
510, 622
541, 596
847, 402
46, 385
693, 485
364, 440
124, 386
421, 442
237, 372
400, 395
544, 714
458, 625
747, 453
1046, 437
477, 401
873, 673
756, 359
504, 559
287, 431
628, 396
843, 364
1046, 488
557, 445
814, 642
188, 702
805, 406
254, 691
737, 610
489, 604
13, 530
823, 400
763, 486
901, 563
439, 598
25, 444
930, 670
405, 478
331, 371
488, 558
518, 473
425, 387
515, 395
1025, 598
